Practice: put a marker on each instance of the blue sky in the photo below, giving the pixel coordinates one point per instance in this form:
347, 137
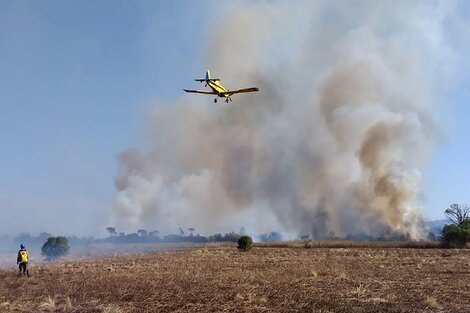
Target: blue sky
76, 81
447, 179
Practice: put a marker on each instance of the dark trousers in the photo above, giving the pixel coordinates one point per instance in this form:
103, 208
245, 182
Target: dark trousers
23, 266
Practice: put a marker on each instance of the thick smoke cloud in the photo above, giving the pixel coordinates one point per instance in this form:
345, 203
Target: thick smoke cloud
334, 142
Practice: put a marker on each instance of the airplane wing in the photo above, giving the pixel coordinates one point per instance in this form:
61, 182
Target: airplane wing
231, 92
200, 91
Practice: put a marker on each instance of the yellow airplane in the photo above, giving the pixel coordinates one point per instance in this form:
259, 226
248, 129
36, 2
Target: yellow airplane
218, 89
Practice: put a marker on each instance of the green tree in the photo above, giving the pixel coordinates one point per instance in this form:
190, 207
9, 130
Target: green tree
111, 230
245, 243
191, 231
457, 234
55, 247
154, 233
142, 233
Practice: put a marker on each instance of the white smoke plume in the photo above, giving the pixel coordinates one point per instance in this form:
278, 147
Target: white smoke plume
334, 142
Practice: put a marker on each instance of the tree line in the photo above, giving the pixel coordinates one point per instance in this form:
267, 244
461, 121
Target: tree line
456, 234
144, 236
140, 236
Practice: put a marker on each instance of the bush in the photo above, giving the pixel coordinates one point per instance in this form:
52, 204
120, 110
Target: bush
308, 242
55, 247
245, 243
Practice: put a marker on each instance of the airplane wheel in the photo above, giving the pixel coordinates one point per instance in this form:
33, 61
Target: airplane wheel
215, 100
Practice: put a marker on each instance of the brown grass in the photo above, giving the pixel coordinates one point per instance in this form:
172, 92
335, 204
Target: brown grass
221, 279
350, 244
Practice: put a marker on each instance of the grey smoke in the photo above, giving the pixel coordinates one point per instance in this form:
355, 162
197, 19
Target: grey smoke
335, 141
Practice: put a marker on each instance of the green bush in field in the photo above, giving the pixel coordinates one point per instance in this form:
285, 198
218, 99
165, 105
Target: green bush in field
55, 247
245, 243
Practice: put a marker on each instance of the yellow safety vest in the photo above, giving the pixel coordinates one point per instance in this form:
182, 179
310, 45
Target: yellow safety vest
23, 255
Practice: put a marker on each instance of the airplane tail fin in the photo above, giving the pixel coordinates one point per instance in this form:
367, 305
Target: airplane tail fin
207, 78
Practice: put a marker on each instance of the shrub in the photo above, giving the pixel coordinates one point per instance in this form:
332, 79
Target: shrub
308, 242
55, 247
245, 243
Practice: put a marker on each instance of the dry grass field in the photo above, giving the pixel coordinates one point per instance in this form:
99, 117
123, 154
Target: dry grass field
265, 279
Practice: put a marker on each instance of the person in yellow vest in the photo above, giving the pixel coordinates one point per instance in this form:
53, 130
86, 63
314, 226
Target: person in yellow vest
22, 260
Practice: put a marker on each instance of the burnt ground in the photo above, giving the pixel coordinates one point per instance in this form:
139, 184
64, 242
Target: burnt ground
221, 279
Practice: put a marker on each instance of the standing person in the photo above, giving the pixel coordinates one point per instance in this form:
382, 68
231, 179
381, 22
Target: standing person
22, 260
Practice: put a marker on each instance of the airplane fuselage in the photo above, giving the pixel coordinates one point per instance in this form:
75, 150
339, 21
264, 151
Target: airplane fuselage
218, 88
